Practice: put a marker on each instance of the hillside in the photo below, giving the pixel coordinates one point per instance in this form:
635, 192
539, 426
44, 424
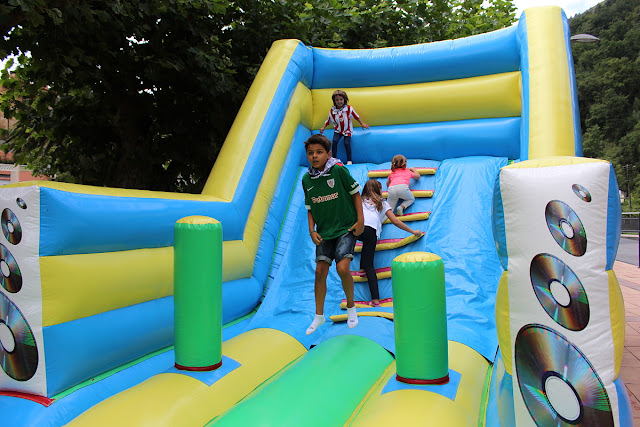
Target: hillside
609, 88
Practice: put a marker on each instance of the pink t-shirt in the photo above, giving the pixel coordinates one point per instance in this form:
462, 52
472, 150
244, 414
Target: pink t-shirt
400, 176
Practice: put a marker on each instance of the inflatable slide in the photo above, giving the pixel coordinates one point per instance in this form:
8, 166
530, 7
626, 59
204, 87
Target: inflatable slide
526, 229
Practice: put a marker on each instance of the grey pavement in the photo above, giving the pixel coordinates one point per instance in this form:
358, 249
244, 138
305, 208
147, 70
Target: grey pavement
628, 250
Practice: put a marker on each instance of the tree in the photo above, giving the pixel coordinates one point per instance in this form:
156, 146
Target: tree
113, 91
141, 94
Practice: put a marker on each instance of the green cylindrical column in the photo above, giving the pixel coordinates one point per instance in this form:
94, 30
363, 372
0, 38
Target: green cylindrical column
420, 318
197, 293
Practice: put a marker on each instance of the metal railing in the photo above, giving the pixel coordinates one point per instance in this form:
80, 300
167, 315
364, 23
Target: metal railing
630, 222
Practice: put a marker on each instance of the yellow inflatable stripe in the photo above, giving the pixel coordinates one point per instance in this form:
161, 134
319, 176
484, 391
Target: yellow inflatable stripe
383, 173
411, 257
616, 306
503, 321
359, 304
418, 216
225, 175
381, 275
298, 112
412, 407
343, 305
173, 399
114, 192
395, 245
77, 286
496, 95
391, 370
343, 317
197, 220
416, 193
551, 131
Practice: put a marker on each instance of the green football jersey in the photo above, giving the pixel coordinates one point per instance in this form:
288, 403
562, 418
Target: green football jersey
328, 196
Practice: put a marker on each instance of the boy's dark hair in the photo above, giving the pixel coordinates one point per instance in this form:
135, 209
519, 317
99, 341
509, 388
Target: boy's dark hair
341, 93
318, 139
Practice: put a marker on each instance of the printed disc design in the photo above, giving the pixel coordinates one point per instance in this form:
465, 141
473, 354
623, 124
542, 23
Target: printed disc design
566, 228
11, 227
21, 203
21, 362
581, 192
546, 359
10, 275
547, 270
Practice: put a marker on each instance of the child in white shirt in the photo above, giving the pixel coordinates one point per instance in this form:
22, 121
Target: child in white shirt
375, 210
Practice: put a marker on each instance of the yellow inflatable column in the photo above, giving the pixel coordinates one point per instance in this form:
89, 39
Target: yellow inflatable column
550, 109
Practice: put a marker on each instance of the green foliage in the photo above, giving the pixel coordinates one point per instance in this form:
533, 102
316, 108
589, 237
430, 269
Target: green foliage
609, 88
141, 94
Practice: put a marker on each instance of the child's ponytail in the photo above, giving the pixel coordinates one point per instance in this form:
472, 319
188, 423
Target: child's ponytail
398, 162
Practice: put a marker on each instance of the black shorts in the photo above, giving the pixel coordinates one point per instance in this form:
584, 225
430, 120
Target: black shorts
336, 249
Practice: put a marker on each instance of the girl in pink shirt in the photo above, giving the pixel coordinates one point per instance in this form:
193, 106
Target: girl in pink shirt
398, 184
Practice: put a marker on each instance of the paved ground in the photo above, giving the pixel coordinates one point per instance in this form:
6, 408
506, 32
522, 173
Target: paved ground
629, 278
628, 250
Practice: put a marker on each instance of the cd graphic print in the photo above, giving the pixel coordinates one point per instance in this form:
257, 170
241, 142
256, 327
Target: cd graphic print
18, 351
566, 228
560, 292
10, 275
11, 227
21, 203
557, 382
581, 192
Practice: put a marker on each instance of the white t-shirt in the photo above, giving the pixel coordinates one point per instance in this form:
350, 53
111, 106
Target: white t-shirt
372, 217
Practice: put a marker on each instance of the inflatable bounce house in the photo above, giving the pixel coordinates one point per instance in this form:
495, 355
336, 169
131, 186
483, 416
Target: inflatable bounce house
506, 312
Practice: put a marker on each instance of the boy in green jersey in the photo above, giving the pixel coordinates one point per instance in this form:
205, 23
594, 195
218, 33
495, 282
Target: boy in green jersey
334, 206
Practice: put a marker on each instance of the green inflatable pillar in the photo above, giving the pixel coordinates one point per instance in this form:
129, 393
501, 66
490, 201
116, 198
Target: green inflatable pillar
420, 318
197, 293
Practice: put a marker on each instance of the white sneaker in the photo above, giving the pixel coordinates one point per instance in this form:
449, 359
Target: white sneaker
400, 211
349, 162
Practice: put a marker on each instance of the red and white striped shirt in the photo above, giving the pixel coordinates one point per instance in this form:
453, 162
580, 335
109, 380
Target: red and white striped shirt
342, 119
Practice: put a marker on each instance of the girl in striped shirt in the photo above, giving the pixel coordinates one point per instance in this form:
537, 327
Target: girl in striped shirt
341, 114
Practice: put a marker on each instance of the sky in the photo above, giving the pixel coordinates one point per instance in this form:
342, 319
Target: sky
570, 7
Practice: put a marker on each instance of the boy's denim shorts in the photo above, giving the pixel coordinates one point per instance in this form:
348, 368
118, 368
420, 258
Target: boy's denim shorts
336, 249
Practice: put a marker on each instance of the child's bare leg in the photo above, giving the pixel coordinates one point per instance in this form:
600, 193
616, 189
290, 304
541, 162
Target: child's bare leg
322, 271
320, 289
344, 271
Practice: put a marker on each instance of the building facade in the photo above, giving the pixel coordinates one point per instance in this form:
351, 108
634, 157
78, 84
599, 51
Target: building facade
11, 173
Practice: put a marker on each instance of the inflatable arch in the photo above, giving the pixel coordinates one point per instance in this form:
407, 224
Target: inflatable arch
527, 230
